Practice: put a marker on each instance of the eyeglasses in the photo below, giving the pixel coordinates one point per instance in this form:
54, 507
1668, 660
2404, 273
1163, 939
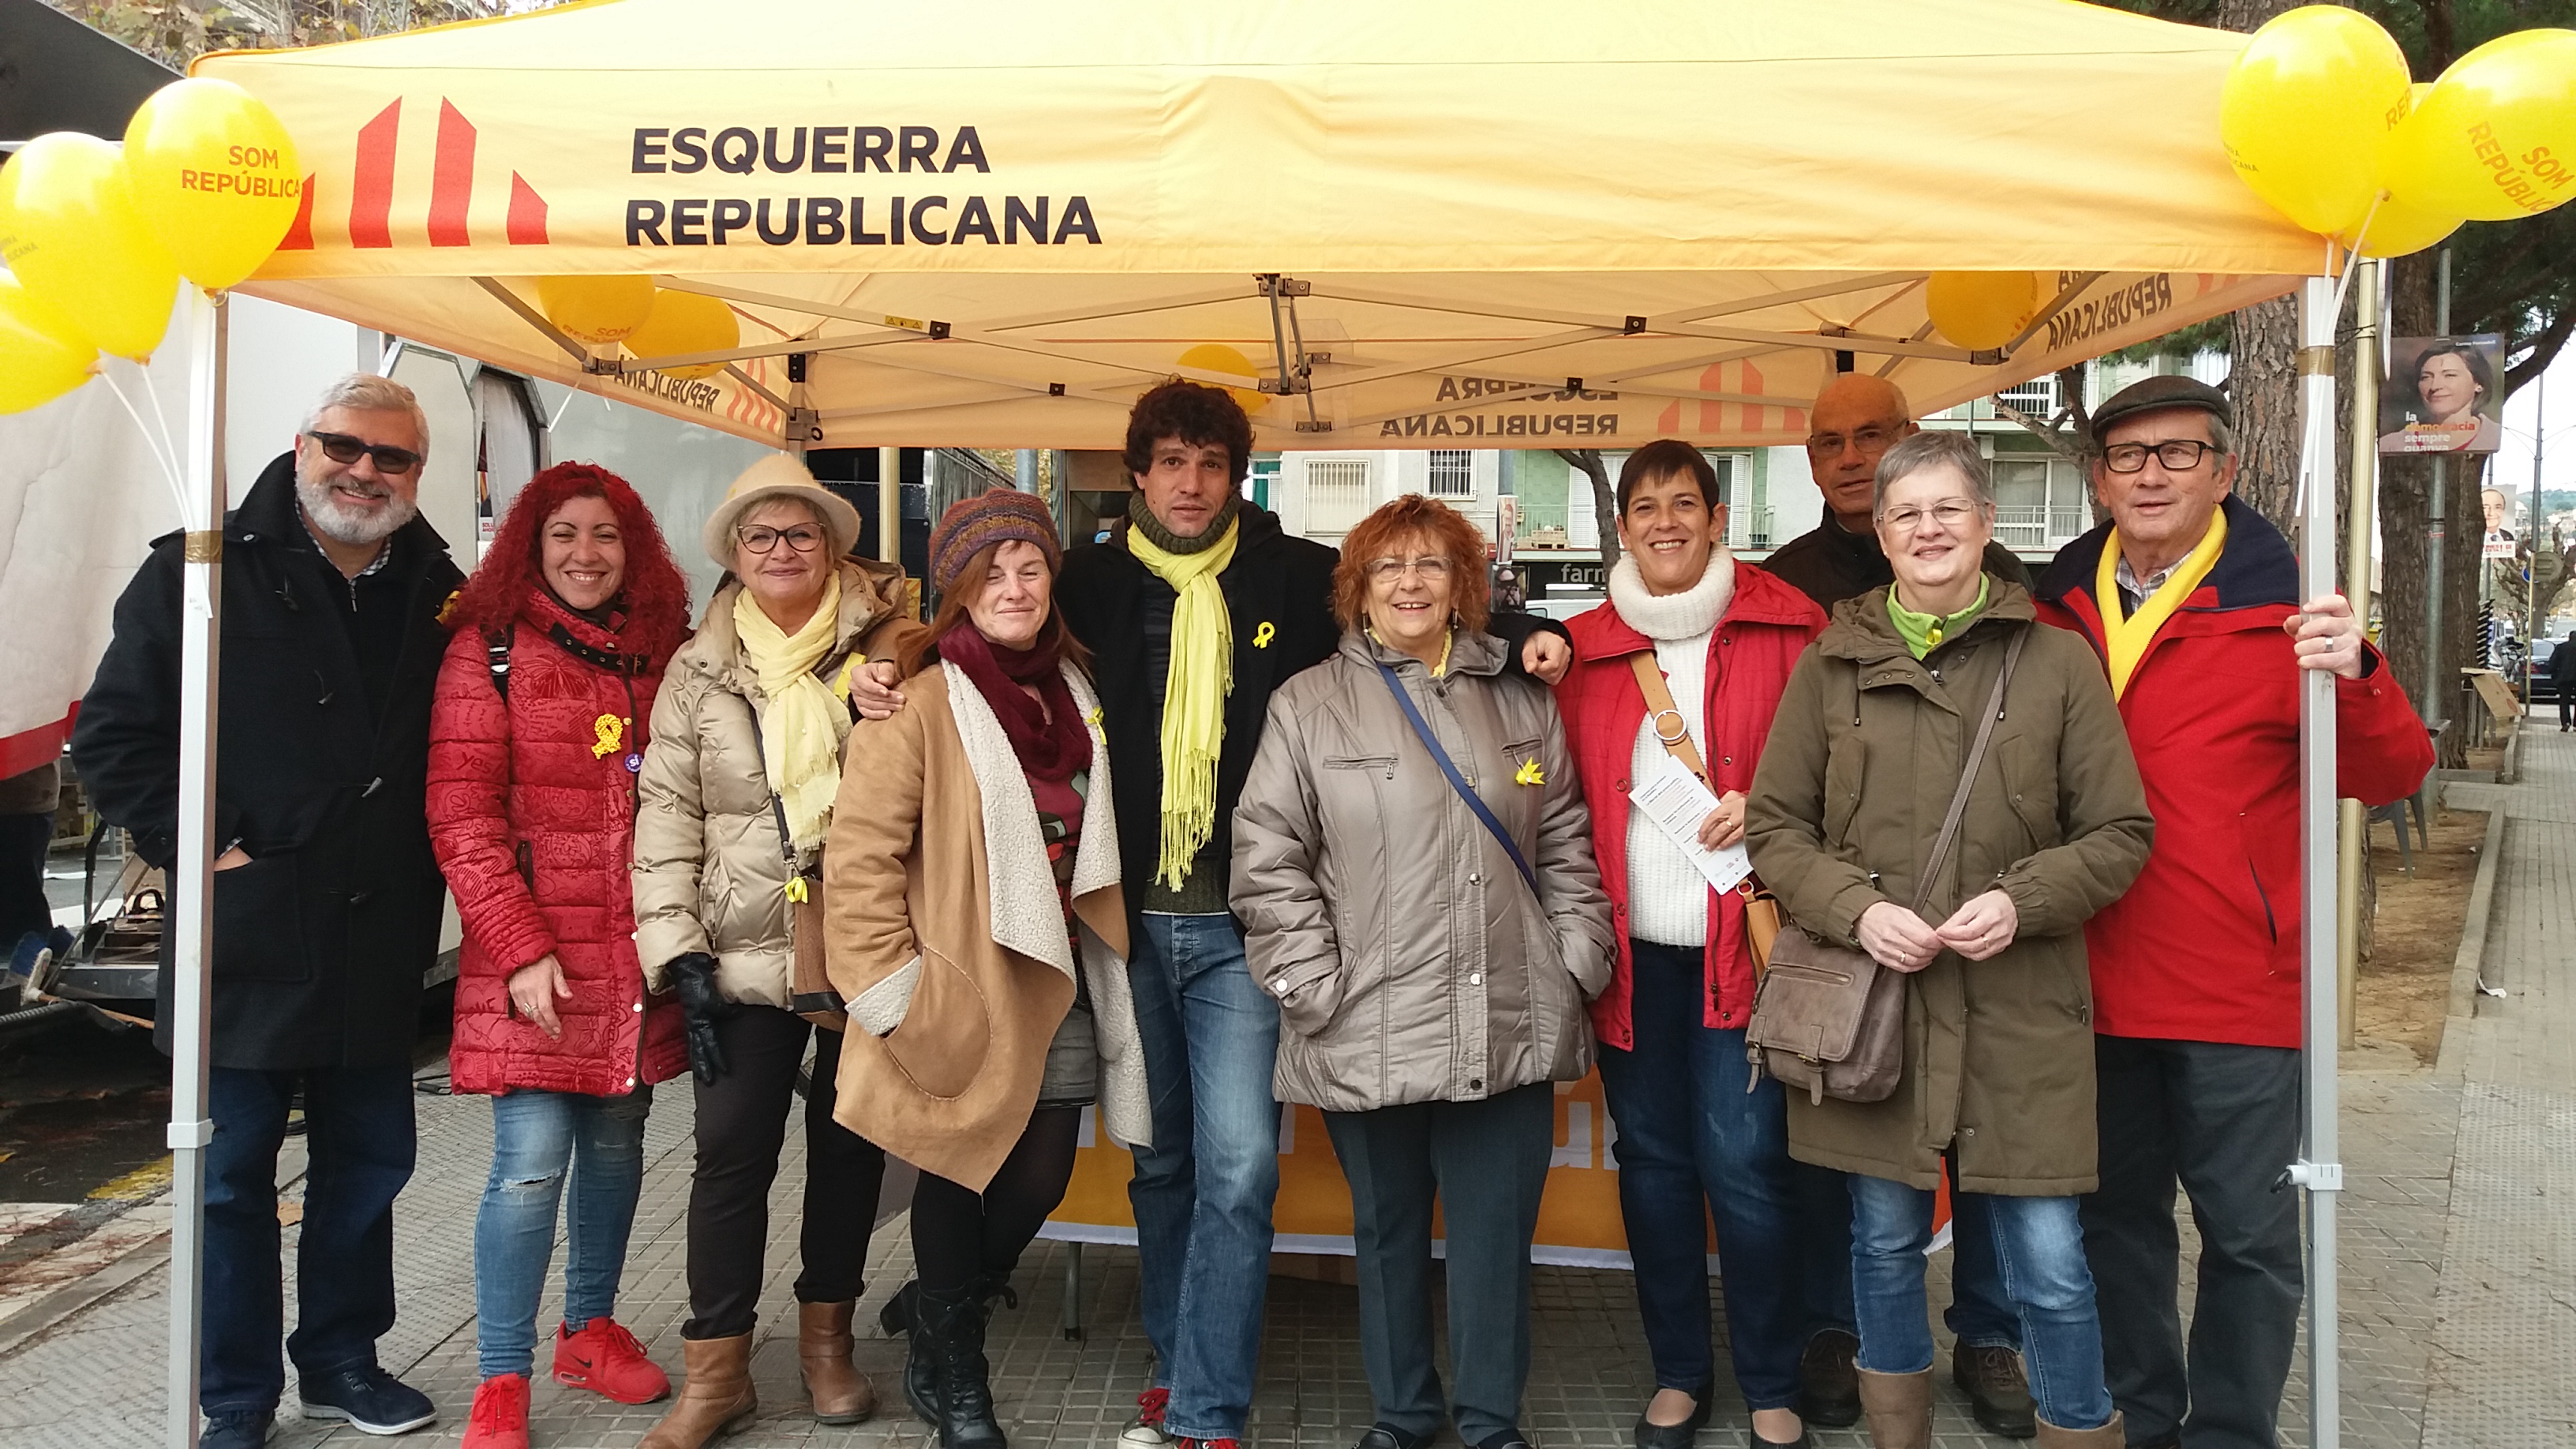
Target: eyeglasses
1871, 441
1386, 570
2179, 455
342, 449
1949, 513
760, 538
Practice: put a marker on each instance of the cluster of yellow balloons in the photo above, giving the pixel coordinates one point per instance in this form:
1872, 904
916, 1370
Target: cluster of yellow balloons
2320, 118
97, 240
1978, 310
651, 322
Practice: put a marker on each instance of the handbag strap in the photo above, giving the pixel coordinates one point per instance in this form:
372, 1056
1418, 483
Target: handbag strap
1659, 708
1968, 776
1457, 782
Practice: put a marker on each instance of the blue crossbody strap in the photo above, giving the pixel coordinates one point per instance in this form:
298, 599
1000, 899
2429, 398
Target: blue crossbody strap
1457, 782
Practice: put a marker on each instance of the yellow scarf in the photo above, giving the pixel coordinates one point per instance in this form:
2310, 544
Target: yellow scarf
1194, 693
2125, 637
802, 728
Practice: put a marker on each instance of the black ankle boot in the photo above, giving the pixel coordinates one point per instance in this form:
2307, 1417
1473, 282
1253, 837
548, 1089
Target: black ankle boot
951, 1335
901, 1317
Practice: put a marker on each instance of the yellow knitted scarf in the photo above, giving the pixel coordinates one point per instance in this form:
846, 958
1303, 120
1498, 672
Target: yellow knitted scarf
802, 728
2125, 636
1194, 693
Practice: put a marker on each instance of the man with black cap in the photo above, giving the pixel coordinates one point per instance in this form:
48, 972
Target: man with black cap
2191, 598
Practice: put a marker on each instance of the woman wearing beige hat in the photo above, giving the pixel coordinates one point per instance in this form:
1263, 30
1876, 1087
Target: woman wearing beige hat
738, 784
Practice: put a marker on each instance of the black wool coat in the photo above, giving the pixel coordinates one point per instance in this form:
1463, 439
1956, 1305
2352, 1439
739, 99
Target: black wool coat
321, 941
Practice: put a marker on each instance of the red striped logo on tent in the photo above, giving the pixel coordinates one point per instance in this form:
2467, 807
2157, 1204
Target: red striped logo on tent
451, 188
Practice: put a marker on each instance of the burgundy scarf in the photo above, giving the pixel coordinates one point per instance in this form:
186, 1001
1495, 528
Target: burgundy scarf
1052, 743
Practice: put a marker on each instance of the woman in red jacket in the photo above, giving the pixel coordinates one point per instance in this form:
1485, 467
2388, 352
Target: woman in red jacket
535, 740
1696, 1138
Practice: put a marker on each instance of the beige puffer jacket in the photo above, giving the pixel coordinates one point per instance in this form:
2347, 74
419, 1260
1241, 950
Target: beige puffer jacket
709, 871
1410, 962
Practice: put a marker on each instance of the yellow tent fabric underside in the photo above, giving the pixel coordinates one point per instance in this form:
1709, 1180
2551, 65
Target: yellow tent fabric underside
1498, 224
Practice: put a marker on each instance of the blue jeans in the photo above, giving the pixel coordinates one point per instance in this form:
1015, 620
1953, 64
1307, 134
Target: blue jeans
1980, 1314
358, 1137
1693, 1143
2038, 1241
538, 1139
1203, 1192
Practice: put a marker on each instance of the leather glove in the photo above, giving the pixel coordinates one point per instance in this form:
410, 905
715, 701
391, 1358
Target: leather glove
693, 980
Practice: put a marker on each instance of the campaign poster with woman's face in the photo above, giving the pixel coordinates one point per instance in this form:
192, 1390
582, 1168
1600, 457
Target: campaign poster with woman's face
2442, 395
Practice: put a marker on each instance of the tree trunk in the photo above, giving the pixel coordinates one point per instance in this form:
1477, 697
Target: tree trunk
1605, 501
2406, 484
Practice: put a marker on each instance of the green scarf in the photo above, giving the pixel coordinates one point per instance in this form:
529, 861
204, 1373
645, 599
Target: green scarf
1923, 633
1196, 685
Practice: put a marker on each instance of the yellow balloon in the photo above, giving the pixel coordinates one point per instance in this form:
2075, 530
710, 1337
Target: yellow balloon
69, 229
1978, 310
38, 361
684, 322
2399, 230
216, 177
1217, 357
2495, 138
2307, 112
597, 309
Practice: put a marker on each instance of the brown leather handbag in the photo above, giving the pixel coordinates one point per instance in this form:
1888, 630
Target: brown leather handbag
1828, 1017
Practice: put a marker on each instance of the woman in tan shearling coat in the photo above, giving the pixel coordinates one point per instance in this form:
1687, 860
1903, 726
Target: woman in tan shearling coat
978, 932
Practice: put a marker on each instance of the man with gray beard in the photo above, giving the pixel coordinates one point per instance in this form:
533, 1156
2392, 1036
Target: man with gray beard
327, 898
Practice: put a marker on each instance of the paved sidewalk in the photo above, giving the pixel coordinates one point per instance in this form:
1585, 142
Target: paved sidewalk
2458, 1271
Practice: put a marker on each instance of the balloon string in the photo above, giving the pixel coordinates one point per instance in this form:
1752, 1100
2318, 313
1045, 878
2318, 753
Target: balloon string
169, 471
169, 444
2352, 254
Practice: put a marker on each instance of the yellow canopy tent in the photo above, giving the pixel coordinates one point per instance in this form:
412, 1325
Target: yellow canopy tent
1503, 223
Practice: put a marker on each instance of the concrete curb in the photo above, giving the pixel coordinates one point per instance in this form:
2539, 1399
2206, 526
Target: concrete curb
2468, 964
72, 1298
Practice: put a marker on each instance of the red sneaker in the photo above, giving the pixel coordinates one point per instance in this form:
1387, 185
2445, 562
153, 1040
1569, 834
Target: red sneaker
1209, 1444
500, 1417
1146, 1430
605, 1359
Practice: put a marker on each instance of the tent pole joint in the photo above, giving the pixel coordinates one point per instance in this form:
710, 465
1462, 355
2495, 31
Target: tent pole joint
2313, 1176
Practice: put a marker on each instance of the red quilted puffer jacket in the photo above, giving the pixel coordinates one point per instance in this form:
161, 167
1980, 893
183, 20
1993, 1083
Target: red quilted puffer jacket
532, 813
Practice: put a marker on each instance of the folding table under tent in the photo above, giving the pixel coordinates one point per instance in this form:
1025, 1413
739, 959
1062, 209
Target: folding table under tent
1436, 223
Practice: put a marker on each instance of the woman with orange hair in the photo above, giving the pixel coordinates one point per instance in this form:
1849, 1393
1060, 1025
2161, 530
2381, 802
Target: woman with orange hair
1413, 866
536, 738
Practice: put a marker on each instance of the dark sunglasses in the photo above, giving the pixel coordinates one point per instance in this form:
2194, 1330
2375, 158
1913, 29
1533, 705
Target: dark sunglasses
343, 449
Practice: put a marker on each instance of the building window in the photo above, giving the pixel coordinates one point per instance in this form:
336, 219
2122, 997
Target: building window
1453, 473
1263, 480
1337, 494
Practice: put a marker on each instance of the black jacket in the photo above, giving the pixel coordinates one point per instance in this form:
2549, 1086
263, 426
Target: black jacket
1279, 594
321, 941
1829, 564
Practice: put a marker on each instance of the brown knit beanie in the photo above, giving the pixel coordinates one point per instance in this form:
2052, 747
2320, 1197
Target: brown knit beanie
976, 523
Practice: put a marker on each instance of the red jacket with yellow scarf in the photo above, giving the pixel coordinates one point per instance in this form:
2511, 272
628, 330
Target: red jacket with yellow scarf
2205, 946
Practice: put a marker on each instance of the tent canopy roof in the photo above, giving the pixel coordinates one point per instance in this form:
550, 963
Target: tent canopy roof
1506, 223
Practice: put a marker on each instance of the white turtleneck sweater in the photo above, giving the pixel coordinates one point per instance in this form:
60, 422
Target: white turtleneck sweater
1667, 896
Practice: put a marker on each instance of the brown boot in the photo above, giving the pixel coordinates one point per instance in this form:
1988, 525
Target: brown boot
841, 1394
2110, 1436
716, 1398
1899, 1409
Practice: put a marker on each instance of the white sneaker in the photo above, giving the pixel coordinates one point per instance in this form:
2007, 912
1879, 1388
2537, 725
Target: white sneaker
1145, 1431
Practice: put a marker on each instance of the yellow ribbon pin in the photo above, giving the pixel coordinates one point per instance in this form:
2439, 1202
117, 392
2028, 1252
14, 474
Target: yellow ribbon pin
1530, 773
610, 730
1092, 719
1262, 636
796, 889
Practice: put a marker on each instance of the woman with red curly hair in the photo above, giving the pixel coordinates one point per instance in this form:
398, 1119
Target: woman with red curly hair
536, 738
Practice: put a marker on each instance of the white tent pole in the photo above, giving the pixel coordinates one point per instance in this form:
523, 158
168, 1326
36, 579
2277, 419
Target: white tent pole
2319, 1170
192, 924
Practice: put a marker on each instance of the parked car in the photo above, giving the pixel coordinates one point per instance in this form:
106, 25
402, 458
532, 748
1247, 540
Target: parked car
2536, 684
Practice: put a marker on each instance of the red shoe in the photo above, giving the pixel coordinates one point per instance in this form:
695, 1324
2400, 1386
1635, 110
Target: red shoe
1208, 1444
605, 1359
500, 1417
1145, 1431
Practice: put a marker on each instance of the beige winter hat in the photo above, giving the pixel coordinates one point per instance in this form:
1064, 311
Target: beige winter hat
775, 477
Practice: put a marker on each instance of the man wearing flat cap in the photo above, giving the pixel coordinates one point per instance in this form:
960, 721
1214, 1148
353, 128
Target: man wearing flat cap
2191, 599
